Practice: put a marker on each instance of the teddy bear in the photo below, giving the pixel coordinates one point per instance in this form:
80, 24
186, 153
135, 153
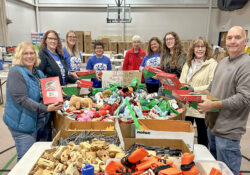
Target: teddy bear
77, 103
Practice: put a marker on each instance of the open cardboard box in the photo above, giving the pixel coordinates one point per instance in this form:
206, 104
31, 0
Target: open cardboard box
167, 129
65, 134
61, 121
81, 126
163, 143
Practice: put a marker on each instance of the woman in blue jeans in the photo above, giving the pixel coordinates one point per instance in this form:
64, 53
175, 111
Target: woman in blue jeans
25, 113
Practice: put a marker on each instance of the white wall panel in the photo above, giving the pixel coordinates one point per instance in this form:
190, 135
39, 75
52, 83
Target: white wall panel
146, 22
23, 21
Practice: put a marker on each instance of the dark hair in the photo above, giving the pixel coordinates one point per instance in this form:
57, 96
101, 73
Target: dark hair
150, 52
178, 50
98, 43
191, 55
59, 43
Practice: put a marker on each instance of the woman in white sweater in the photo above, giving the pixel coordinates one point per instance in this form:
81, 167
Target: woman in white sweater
198, 72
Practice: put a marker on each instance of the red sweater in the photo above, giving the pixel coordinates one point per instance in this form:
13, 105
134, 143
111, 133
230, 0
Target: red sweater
133, 61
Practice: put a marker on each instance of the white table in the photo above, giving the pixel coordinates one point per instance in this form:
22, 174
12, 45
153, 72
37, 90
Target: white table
30, 158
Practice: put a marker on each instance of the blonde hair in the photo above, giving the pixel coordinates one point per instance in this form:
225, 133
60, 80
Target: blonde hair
75, 49
19, 54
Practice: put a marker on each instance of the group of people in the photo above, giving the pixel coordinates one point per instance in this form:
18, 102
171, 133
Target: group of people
28, 119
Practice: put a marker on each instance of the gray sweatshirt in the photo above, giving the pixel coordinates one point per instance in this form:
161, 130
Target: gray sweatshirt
231, 84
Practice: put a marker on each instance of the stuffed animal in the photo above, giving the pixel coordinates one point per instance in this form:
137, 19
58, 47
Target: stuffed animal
106, 93
77, 103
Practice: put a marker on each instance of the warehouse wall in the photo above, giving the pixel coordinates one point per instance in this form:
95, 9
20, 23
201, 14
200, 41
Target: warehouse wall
23, 21
238, 17
147, 22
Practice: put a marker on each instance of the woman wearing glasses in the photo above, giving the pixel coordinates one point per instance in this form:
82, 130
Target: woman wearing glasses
198, 72
173, 56
72, 54
52, 61
25, 114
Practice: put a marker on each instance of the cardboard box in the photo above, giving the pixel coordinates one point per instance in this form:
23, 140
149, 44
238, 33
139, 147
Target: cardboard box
61, 121
144, 46
51, 90
87, 35
121, 47
79, 35
113, 47
98, 126
129, 45
167, 129
65, 134
105, 42
163, 143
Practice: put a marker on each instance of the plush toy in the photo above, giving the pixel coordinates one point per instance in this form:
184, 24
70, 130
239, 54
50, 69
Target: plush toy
106, 93
77, 103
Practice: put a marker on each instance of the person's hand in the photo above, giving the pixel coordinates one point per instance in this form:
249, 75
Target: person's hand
206, 106
155, 77
98, 77
54, 107
73, 74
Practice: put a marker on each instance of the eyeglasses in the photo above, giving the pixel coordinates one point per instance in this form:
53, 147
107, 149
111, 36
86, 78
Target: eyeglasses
169, 39
73, 37
52, 39
29, 53
202, 47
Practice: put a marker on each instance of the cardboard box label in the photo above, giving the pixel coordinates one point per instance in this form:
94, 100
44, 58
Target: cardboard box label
123, 78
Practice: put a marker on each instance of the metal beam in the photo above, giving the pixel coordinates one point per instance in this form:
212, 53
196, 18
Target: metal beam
27, 3
4, 22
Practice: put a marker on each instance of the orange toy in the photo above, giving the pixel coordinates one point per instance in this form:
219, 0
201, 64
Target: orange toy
187, 164
215, 171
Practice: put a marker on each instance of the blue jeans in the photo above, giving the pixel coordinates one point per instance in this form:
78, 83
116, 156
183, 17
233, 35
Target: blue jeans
225, 150
23, 142
44, 130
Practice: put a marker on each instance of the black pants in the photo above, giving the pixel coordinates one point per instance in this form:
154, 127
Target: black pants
151, 88
201, 129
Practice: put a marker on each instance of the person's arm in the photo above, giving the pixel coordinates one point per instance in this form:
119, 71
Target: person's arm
184, 74
19, 92
143, 64
89, 65
125, 62
109, 64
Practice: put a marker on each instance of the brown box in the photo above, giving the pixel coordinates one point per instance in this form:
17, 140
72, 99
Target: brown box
87, 35
186, 45
87, 42
121, 47
113, 47
80, 126
144, 46
163, 143
105, 42
128, 45
64, 134
79, 35
60, 122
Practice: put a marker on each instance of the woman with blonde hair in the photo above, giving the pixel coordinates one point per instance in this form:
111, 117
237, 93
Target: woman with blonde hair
197, 73
53, 62
25, 112
72, 54
152, 59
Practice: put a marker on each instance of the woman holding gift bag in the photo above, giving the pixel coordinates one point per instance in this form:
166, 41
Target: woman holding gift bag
72, 54
25, 114
198, 72
152, 59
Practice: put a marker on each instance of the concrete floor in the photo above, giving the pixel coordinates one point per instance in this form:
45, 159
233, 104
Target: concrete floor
6, 142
